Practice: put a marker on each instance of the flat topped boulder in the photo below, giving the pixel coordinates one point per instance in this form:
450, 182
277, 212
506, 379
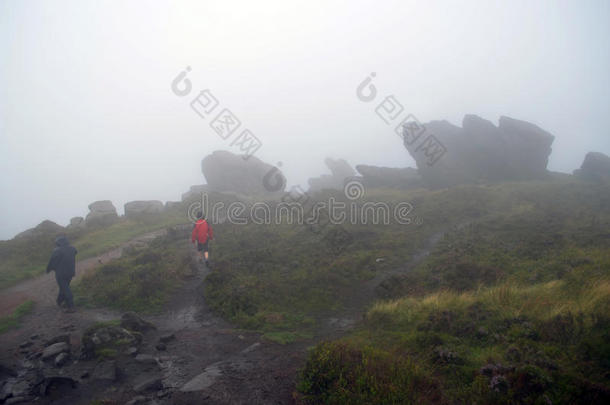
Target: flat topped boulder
226, 171
479, 151
596, 166
101, 213
76, 222
138, 208
340, 171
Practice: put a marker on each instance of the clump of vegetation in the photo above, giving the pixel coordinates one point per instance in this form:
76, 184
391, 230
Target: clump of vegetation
142, 280
12, 321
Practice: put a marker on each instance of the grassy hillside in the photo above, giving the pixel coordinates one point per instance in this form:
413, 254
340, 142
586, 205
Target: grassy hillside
24, 258
513, 308
142, 280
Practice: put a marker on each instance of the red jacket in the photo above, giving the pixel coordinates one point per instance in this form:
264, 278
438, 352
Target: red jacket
202, 231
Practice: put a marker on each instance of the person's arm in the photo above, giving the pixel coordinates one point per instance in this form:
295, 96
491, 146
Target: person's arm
210, 232
194, 233
53, 260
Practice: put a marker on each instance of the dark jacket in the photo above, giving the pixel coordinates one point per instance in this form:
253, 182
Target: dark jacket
63, 259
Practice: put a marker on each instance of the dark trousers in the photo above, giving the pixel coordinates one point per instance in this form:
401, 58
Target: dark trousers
65, 294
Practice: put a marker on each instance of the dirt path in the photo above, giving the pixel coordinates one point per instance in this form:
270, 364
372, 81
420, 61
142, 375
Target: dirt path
209, 361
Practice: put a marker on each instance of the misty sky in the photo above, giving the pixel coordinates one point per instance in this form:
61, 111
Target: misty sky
87, 112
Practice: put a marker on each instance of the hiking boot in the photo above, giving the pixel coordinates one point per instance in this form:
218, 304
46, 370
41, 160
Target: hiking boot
207, 264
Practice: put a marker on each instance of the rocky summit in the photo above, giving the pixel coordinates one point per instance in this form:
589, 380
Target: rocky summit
479, 151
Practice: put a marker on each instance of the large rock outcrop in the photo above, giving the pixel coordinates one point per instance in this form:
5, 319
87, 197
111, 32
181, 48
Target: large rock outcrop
340, 171
195, 192
76, 222
390, 177
226, 171
596, 167
101, 213
135, 209
479, 151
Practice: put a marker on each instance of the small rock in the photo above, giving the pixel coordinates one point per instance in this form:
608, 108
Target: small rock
146, 359
161, 347
57, 339
132, 321
53, 350
34, 336
482, 332
25, 344
167, 338
105, 370
148, 384
84, 374
132, 351
136, 400
61, 359
16, 400
380, 260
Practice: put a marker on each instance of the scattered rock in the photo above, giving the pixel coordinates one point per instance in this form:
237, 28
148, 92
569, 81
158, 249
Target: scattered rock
107, 337
148, 383
132, 351
61, 359
132, 321
55, 349
26, 344
146, 359
34, 336
203, 380
17, 400
167, 338
136, 400
105, 370
57, 339
161, 347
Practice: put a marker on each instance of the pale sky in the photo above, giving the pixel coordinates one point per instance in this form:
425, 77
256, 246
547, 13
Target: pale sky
87, 111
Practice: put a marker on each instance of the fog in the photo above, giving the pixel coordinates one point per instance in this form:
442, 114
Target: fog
87, 111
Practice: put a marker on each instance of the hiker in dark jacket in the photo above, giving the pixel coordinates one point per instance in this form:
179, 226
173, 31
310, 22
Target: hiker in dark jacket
201, 235
63, 262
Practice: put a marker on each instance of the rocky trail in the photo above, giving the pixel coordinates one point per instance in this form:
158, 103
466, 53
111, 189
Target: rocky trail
185, 355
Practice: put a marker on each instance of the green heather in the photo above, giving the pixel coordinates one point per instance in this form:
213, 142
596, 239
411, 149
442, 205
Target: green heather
13, 320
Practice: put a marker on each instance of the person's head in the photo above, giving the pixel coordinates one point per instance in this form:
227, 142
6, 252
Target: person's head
200, 215
61, 240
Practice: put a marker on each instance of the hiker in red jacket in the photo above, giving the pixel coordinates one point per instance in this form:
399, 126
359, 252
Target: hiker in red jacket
202, 234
